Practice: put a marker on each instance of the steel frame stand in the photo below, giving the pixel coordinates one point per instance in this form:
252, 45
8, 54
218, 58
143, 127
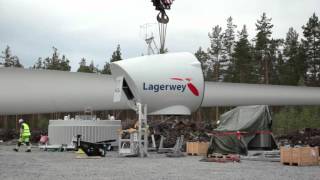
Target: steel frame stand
143, 130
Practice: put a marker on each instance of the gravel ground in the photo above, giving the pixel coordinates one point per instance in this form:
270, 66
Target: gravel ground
64, 165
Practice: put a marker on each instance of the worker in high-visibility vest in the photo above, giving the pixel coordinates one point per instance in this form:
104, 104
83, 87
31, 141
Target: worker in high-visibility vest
24, 136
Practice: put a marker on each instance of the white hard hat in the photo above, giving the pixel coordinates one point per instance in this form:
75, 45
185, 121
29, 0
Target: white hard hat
20, 120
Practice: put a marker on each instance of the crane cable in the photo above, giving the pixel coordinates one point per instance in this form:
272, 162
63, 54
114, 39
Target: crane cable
163, 20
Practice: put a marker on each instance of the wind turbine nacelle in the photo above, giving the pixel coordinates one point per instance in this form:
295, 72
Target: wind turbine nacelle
166, 83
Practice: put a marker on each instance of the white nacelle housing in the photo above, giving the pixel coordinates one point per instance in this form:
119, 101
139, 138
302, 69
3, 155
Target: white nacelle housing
167, 83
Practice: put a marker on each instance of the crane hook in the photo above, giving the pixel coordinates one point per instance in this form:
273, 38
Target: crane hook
162, 17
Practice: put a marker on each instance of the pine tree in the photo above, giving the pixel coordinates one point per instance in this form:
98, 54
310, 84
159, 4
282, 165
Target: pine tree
56, 63
202, 56
228, 43
106, 69
83, 66
83, 62
93, 68
9, 59
263, 36
215, 53
274, 57
290, 68
229, 36
311, 43
64, 64
39, 64
217, 58
53, 62
301, 64
116, 55
244, 67
263, 26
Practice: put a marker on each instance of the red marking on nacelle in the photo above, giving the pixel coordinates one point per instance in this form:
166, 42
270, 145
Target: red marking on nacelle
193, 89
178, 79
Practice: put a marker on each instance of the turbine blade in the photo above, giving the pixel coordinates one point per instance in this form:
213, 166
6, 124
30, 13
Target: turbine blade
236, 94
42, 91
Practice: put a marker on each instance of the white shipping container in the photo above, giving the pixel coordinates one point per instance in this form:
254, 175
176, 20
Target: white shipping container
62, 131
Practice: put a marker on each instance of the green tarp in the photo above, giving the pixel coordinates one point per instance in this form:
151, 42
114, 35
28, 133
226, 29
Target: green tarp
243, 128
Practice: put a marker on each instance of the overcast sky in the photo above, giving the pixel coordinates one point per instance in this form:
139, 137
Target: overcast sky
93, 28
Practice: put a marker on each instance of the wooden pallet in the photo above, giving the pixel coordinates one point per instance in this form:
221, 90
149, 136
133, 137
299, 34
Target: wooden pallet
216, 157
291, 164
294, 164
286, 163
195, 154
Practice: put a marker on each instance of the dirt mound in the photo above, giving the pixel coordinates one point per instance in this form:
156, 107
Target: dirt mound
307, 136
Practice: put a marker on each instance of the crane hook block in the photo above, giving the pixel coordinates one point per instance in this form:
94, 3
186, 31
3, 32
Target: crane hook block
162, 17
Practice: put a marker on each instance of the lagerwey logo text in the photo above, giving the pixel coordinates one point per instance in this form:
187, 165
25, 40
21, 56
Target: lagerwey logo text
172, 87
